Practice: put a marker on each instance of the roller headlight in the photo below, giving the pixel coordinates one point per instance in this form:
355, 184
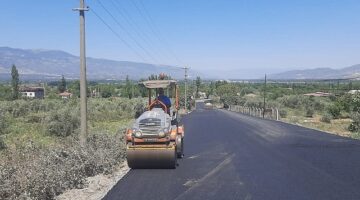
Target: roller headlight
138, 134
161, 134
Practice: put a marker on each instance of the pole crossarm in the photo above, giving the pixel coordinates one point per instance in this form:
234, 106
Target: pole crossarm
81, 9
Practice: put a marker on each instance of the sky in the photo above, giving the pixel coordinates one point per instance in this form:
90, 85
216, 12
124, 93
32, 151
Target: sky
219, 38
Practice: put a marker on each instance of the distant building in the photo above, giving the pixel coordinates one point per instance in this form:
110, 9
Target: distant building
202, 95
33, 92
319, 94
354, 91
65, 95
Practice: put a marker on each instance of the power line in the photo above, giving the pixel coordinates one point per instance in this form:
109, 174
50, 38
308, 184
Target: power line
127, 19
154, 29
118, 36
125, 30
142, 34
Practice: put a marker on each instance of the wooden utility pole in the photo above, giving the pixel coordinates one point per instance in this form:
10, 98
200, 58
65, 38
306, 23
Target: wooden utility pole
83, 87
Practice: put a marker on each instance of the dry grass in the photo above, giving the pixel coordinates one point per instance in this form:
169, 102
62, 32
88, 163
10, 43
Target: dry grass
336, 126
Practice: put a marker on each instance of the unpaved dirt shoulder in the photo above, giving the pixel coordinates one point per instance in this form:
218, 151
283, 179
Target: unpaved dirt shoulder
98, 185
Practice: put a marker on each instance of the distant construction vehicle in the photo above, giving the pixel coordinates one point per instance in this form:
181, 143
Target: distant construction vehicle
156, 139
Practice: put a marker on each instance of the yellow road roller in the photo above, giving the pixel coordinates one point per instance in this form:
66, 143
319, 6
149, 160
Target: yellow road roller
156, 140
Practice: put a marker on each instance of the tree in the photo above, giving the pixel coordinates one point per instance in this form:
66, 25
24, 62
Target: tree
107, 90
198, 83
74, 88
5, 92
128, 88
15, 82
228, 94
62, 85
152, 77
161, 76
210, 90
350, 86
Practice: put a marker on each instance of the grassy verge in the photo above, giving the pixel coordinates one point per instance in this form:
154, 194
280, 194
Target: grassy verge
43, 157
335, 126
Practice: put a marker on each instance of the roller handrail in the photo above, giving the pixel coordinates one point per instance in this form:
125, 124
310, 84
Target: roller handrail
158, 102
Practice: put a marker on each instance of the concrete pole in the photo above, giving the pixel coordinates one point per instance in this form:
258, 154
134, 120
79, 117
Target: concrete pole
264, 98
83, 87
186, 76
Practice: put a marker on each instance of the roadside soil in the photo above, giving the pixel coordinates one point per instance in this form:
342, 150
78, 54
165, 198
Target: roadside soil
98, 185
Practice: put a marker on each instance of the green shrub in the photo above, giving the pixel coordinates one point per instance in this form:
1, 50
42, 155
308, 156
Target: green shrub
256, 103
3, 123
63, 122
309, 112
31, 172
247, 90
106, 94
292, 101
227, 99
113, 109
139, 109
334, 110
35, 118
355, 124
2, 143
318, 105
332, 98
19, 108
283, 113
355, 104
326, 118
355, 135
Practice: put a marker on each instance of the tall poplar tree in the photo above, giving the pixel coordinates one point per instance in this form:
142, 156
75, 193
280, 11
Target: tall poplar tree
15, 82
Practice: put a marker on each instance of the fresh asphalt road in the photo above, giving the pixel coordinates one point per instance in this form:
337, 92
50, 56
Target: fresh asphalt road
234, 156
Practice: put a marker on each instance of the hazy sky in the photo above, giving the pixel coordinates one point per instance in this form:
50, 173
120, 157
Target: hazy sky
235, 38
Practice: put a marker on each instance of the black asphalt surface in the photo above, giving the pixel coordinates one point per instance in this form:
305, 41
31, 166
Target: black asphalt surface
234, 156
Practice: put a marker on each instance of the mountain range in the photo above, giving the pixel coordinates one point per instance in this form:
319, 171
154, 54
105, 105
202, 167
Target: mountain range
352, 72
51, 64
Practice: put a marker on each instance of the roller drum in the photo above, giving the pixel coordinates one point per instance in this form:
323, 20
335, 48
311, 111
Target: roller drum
157, 158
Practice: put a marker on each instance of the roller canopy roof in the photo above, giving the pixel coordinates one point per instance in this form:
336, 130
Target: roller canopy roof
152, 84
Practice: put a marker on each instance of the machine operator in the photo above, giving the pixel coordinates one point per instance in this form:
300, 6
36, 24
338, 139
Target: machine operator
164, 99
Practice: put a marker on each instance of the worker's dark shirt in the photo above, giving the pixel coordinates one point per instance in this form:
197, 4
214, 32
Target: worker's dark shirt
165, 100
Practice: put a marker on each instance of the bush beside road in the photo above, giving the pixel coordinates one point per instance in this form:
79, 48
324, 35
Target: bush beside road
41, 156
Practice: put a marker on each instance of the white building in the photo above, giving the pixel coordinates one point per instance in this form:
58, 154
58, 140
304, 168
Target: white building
354, 91
33, 92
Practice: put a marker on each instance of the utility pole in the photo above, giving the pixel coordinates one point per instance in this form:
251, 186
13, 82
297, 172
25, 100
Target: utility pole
83, 88
264, 98
43, 84
186, 76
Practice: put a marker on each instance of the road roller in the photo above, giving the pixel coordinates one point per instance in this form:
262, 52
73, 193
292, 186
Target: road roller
156, 140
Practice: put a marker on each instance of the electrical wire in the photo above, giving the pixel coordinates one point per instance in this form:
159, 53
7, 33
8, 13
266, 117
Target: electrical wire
149, 20
141, 34
117, 35
125, 30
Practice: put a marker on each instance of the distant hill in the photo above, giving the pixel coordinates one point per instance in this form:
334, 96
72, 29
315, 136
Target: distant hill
50, 64
352, 72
